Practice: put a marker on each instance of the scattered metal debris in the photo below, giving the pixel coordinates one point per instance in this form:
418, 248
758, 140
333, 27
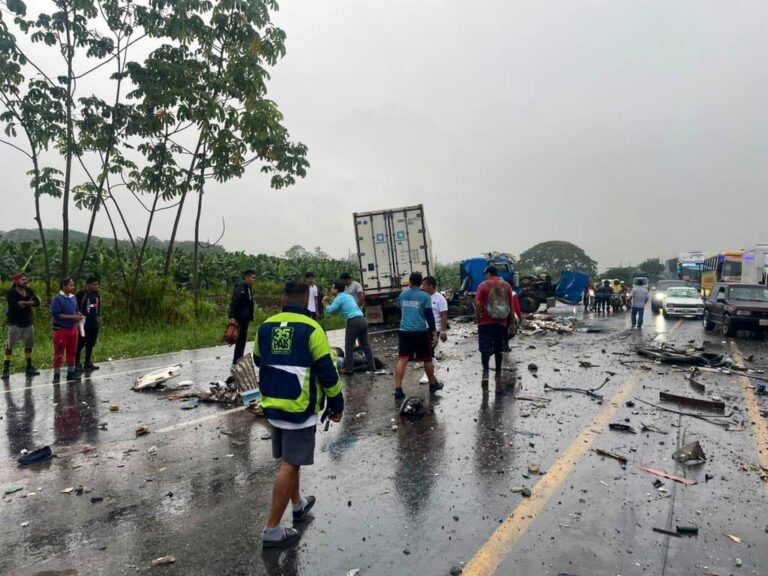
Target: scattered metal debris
142, 430
690, 453
163, 560
614, 455
713, 405
157, 378
651, 428
667, 532
622, 427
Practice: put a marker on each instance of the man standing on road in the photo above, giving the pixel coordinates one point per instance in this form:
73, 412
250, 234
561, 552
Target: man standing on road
21, 299
640, 298
314, 302
356, 328
494, 311
297, 377
66, 317
354, 288
89, 304
241, 311
417, 334
440, 312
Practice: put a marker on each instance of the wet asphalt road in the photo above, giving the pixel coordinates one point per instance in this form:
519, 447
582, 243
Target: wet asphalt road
432, 494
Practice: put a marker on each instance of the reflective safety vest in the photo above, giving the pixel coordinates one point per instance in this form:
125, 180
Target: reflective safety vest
296, 369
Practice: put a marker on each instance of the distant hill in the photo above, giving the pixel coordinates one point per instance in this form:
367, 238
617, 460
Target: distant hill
76, 237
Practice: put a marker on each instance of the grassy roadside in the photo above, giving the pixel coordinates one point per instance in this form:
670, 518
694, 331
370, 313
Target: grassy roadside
148, 339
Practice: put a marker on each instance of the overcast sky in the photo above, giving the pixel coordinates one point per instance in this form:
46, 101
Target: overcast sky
631, 128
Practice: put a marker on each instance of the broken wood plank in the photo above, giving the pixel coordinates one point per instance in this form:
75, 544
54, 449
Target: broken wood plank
668, 476
711, 405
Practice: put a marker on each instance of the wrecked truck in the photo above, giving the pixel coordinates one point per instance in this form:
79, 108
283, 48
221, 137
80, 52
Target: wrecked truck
533, 291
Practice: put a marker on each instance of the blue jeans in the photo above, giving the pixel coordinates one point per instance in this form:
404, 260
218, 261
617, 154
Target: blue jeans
637, 317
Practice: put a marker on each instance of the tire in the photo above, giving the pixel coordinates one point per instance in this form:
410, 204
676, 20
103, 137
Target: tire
708, 324
654, 308
728, 326
529, 303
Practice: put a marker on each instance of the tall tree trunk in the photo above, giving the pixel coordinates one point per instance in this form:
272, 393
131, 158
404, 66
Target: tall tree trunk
196, 252
69, 146
142, 251
190, 174
41, 231
117, 248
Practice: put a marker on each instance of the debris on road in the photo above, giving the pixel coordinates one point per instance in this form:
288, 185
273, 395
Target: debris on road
668, 476
12, 489
706, 418
690, 453
587, 364
532, 367
591, 392
614, 455
534, 468
413, 406
142, 430
622, 427
156, 379
114, 407
734, 538
163, 560
39, 455
670, 355
651, 428
667, 532
68, 490
688, 530
696, 385
191, 404
712, 405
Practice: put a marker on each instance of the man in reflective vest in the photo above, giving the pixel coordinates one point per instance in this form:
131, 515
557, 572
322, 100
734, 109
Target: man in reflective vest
298, 380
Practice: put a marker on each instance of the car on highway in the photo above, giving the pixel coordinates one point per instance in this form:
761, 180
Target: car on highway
737, 307
659, 293
682, 301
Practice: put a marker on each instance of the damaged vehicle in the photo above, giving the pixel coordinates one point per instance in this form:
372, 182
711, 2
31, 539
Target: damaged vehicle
683, 301
737, 307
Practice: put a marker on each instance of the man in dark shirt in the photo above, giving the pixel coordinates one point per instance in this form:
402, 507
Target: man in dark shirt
89, 304
21, 299
241, 311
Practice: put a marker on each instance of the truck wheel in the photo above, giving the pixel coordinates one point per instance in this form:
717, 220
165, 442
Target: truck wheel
529, 303
728, 326
708, 324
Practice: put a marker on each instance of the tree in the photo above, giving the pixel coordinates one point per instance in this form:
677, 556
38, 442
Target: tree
653, 267
554, 256
192, 108
622, 273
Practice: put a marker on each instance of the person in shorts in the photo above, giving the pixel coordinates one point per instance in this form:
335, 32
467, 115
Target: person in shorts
417, 334
298, 377
21, 300
494, 311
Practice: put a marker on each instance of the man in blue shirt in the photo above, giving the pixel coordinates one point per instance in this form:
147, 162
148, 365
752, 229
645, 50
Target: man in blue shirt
357, 326
417, 334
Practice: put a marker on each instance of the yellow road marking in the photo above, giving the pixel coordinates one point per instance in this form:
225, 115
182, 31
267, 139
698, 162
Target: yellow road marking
187, 423
495, 550
759, 428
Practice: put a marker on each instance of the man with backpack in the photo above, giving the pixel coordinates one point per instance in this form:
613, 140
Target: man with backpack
494, 312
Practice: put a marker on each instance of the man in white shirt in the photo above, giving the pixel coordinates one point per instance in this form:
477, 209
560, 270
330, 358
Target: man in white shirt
640, 298
354, 288
439, 311
314, 298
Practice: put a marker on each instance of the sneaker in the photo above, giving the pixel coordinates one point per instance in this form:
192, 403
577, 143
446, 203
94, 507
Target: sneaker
56, 379
290, 535
91, 367
399, 394
73, 376
300, 514
484, 382
31, 371
436, 387
79, 368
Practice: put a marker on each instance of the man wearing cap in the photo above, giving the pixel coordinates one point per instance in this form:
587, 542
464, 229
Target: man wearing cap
21, 299
354, 288
241, 310
89, 304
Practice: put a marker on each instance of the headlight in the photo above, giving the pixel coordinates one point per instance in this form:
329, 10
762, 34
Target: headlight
670, 305
658, 296
743, 313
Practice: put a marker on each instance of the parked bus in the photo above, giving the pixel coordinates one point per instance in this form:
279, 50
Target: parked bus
721, 267
687, 266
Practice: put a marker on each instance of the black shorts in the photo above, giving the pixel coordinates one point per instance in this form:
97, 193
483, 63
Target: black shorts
492, 337
296, 447
415, 346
